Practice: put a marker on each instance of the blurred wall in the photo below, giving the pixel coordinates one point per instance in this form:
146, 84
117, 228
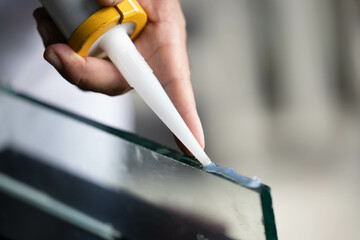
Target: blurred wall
277, 84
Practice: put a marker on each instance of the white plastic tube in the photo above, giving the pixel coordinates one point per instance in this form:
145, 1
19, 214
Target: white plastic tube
123, 53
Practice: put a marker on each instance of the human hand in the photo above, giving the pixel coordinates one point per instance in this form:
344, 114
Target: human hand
162, 43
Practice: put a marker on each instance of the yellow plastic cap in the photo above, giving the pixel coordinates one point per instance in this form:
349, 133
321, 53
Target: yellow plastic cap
105, 19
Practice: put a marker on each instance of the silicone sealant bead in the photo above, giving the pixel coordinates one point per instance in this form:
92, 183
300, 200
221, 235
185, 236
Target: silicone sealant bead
231, 174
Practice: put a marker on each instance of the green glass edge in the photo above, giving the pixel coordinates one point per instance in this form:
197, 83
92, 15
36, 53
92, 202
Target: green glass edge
266, 201
268, 213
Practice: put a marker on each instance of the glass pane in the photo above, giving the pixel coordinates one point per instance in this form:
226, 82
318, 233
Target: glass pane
107, 183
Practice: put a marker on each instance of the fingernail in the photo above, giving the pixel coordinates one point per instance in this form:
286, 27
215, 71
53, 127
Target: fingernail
42, 28
54, 60
110, 2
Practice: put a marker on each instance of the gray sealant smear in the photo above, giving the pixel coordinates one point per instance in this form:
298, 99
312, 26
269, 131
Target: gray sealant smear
230, 173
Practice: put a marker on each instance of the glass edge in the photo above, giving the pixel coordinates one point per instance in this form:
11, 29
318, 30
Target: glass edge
268, 213
130, 137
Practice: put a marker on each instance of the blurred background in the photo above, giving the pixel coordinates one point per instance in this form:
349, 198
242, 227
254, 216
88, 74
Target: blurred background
277, 84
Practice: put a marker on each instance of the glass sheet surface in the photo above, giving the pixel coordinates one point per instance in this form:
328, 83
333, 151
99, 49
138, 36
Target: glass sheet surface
155, 187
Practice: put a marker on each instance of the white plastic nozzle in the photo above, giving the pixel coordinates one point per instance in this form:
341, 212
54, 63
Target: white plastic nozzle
123, 53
